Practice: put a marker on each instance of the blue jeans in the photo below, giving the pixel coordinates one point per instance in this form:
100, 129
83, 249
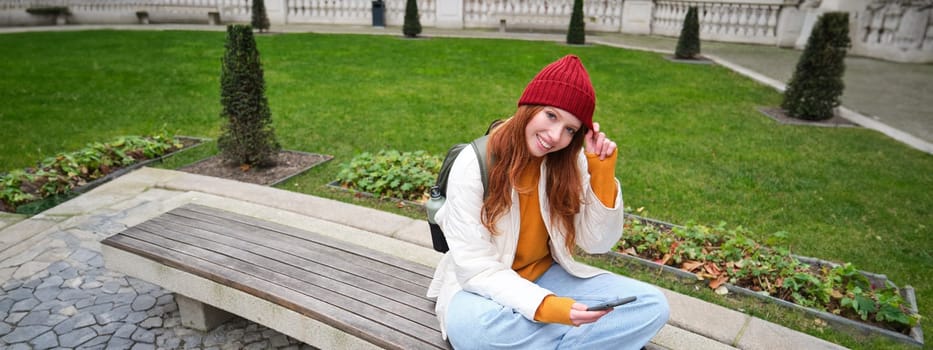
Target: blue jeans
475, 322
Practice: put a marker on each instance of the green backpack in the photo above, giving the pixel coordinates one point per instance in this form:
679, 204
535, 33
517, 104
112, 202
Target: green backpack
439, 190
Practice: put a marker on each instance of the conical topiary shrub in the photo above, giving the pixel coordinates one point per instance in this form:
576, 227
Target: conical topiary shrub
688, 45
412, 26
259, 19
816, 85
576, 34
247, 137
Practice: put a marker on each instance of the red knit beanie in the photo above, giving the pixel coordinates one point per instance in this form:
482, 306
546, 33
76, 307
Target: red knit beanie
566, 85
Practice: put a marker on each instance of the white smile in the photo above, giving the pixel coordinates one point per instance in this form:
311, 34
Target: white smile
543, 144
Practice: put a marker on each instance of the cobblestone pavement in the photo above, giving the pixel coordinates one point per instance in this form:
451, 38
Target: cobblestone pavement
61, 296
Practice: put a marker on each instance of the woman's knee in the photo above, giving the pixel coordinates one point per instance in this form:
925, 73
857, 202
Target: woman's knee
655, 304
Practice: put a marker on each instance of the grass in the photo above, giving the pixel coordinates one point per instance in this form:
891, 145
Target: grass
692, 145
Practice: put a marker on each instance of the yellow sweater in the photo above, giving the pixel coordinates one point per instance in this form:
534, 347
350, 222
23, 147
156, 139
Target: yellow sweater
533, 255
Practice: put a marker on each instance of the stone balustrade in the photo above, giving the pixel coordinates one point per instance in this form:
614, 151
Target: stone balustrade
898, 30
895, 30
600, 15
733, 21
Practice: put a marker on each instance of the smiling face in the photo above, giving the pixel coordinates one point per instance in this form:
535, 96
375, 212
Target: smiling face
550, 130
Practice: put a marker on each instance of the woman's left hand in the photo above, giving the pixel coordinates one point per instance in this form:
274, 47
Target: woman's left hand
596, 142
579, 315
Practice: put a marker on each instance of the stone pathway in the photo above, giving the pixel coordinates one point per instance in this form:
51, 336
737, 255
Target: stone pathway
60, 295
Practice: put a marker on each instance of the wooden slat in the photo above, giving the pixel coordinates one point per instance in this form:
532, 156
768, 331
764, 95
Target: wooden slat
405, 266
339, 318
372, 295
309, 256
386, 272
251, 255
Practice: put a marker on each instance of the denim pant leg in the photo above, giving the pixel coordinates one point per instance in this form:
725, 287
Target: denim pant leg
475, 322
629, 326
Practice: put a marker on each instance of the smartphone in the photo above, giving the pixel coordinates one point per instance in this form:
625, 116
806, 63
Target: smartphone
611, 304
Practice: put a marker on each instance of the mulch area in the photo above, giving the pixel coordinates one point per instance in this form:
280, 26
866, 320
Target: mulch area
287, 164
781, 116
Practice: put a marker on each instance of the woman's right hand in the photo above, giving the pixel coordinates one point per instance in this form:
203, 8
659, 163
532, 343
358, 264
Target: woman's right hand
579, 316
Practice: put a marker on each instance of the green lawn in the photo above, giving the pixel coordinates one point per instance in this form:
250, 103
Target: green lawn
692, 145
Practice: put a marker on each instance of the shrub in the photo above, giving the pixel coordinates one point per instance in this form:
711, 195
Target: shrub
688, 45
259, 18
247, 136
816, 85
391, 174
576, 34
412, 26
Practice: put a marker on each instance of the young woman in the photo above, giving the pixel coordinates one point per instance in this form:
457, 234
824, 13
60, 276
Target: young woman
509, 279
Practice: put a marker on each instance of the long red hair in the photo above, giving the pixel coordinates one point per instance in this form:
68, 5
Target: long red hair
509, 154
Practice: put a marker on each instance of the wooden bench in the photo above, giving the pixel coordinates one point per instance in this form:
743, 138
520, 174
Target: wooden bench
325, 292
171, 13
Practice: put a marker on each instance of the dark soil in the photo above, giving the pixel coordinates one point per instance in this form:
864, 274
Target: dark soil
287, 164
781, 116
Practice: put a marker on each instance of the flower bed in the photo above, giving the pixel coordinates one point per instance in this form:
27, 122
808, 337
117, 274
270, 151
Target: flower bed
65, 175
732, 262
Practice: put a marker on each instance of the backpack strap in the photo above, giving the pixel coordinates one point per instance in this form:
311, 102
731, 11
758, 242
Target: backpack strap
479, 146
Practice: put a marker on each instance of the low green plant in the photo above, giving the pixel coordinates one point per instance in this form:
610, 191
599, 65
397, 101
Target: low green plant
57, 175
391, 174
727, 255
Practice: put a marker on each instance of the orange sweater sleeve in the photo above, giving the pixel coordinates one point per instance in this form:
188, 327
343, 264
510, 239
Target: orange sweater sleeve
555, 309
603, 177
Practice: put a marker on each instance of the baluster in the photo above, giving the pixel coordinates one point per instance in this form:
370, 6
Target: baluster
705, 15
763, 21
724, 15
751, 21
772, 20
740, 20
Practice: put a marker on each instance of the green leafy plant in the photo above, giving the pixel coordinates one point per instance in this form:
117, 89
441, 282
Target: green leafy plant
248, 137
816, 85
56, 176
391, 174
576, 33
688, 44
722, 254
412, 26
